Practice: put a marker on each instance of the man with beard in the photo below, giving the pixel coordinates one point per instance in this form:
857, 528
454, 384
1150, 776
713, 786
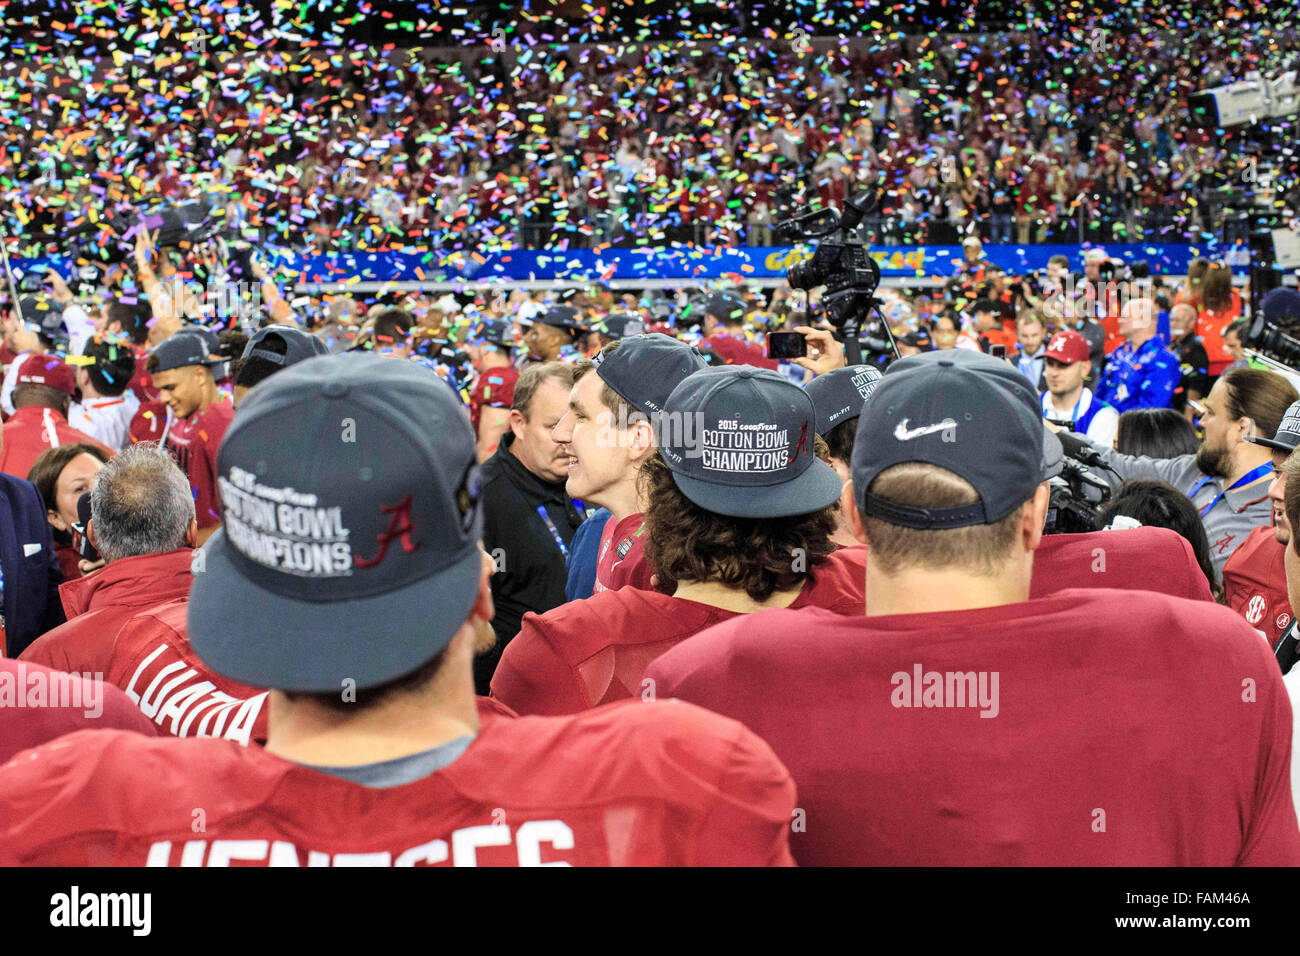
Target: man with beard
1227, 479
1254, 579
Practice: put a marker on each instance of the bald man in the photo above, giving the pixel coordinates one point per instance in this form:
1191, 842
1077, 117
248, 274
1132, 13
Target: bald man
1141, 373
1193, 361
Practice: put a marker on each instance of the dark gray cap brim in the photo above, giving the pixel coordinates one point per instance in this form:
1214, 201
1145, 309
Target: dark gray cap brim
1270, 443
264, 640
817, 488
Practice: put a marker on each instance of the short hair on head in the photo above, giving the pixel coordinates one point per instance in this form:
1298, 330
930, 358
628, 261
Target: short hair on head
133, 320
608, 397
1059, 260
977, 549
392, 326
1030, 317
370, 697
141, 503
840, 439
531, 379
685, 542
1259, 395
45, 396
112, 368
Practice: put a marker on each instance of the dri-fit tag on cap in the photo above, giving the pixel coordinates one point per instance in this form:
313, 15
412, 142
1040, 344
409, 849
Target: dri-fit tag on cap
840, 394
644, 369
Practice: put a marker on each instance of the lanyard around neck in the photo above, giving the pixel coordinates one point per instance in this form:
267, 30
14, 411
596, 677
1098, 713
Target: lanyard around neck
1253, 475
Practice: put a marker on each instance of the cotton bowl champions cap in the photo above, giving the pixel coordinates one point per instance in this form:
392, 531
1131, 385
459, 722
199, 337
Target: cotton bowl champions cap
962, 415
739, 442
645, 369
840, 394
349, 548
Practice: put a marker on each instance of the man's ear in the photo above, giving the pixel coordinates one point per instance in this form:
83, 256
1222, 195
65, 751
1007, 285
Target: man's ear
517, 422
642, 441
1034, 517
90, 534
192, 534
483, 606
849, 499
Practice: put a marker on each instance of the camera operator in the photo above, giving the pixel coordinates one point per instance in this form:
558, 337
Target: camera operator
1226, 478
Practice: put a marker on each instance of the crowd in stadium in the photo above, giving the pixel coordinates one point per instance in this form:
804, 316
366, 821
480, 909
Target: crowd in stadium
602, 574
1036, 136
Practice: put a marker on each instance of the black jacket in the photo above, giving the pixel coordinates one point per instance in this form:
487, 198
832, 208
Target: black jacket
29, 565
531, 565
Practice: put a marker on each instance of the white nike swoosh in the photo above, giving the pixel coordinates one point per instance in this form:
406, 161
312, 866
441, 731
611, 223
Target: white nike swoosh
903, 434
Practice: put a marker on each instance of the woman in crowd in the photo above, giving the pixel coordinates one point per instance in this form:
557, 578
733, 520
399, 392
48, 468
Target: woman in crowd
62, 475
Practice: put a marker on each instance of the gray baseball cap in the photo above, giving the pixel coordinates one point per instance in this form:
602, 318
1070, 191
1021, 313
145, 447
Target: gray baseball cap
619, 325
739, 442
645, 369
189, 346
840, 394
299, 345
351, 518
962, 416
1287, 436
1004, 374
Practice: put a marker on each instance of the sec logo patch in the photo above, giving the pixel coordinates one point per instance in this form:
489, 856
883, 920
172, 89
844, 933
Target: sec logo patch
1255, 609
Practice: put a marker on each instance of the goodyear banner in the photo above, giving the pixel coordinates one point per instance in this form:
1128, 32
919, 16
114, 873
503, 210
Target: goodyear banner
696, 263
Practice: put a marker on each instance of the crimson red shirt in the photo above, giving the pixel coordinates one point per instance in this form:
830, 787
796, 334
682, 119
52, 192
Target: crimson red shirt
149, 423
621, 560
736, 351
666, 784
153, 662
66, 703
1144, 559
98, 604
495, 388
33, 429
1254, 583
1089, 728
193, 442
594, 651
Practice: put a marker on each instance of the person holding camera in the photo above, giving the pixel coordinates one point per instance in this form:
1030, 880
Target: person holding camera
1227, 477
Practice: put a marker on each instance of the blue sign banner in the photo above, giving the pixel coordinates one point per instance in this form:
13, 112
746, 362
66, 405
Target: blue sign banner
695, 263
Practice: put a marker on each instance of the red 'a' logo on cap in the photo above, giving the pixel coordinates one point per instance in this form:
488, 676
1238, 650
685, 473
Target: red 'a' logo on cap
399, 526
801, 447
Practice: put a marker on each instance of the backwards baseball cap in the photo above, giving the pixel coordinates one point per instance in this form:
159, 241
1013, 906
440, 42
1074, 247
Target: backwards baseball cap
186, 347
724, 307
645, 369
1068, 347
1279, 304
619, 325
744, 447
49, 370
299, 345
971, 241
962, 415
494, 332
840, 394
1287, 436
333, 551
562, 317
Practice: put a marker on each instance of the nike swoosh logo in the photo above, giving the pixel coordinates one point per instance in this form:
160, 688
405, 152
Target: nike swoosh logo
902, 433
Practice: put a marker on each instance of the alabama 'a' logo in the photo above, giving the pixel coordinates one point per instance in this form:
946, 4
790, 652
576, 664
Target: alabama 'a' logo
399, 528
